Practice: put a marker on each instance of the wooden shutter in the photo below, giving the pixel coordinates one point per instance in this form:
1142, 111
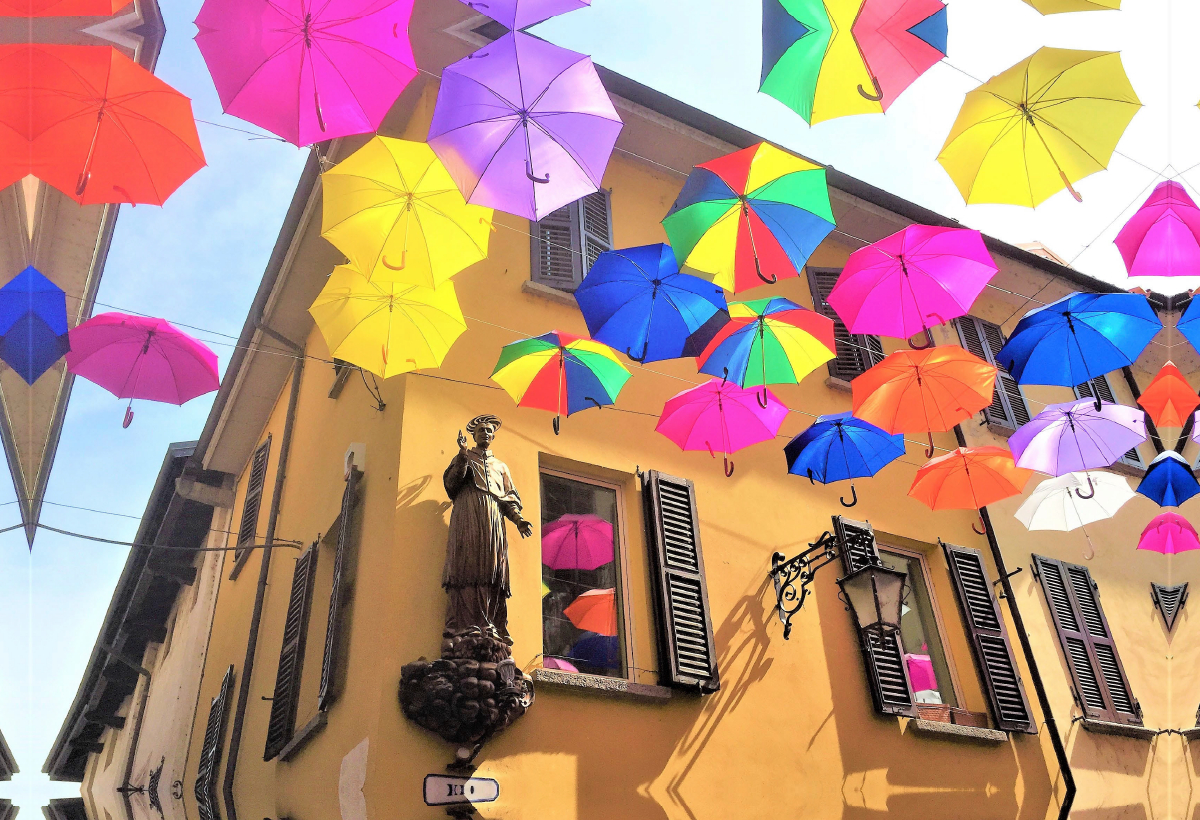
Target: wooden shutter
210, 751
282, 722
555, 249
1099, 386
248, 529
1101, 687
856, 353
595, 213
883, 655
338, 597
985, 339
686, 650
1169, 601
989, 640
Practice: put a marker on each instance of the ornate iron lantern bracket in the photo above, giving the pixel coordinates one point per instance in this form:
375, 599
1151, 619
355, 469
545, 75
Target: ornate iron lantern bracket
793, 575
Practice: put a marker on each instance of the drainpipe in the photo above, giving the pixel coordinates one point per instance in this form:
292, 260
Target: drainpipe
239, 715
133, 745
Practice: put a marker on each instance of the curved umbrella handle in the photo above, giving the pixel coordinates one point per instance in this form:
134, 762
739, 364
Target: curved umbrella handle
982, 524
928, 342
853, 496
529, 173
128, 418
929, 449
758, 270
1091, 488
81, 184
875, 97
1063, 175
1099, 406
728, 467
390, 266
708, 444
762, 399
320, 116
812, 480
599, 406
639, 359
724, 375
557, 424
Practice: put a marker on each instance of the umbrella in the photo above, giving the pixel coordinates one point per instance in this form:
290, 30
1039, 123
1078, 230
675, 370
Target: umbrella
1169, 533
61, 8
1163, 237
968, 478
594, 611
560, 373
923, 391
577, 542
1169, 480
602, 651
1072, 436
720, 415
1036, 128
769, 341
1061, 6
839, 447
636, 299
94, 124
136, 357
519, 14
392, 208
308, 71
1079, 337
1169, 399
524, 126
1058, 504
900, 40
1189, 323
549, 662
916, 278
750, 217
387, 328
33, 324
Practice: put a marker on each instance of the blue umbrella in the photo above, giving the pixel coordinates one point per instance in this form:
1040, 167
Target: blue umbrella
1169, 480
1079, 337
636, 300
597, 650
33, 324
839, 446
1189, 323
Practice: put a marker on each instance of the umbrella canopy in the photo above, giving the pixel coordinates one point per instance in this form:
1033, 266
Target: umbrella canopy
1064, 504
968, 478
1163, 237
839, 447
308, 71
750, 217
594, 611
602, 651
549, 662
1079, 337
519, 14
1038, 127
1075, 435
1189, 323
914, 279
1063, 6
719, 415
61, 8
1169, 533
1169, 480
577, 542
900, 40
387, 328
1169, 399
636, 300
33, 324
524, 126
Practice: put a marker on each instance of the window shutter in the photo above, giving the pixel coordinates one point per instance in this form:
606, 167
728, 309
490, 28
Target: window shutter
1101, 687
338, 597
985, 339
1169, 601
989, 640
686, 650
210, 752
555, 249
1099, 386
596, 213
248, 529
282, 722
856, 354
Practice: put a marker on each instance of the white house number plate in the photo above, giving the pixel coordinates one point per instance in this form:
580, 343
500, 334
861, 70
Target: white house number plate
445, 790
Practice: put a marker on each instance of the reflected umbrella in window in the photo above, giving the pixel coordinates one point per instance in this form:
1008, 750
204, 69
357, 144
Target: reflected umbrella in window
577, 542
601, 651
838, 447
1163, 237
1169, 399
550, 662
33, 324
520, 14
1169, 533
594, 611
719, 415
1169, 481
1072, 501
968, 478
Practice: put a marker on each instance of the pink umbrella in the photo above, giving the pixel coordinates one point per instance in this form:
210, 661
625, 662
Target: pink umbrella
1169, 533
1163, 237
308, 70
720, 415
558, 663
134, 357
519, 14
577, 542
912, 280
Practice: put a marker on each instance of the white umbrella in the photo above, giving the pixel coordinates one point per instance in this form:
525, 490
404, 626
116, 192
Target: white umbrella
1058, 503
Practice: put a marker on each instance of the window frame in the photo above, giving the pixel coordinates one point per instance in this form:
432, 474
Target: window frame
579, 237
860, 341
1010, 421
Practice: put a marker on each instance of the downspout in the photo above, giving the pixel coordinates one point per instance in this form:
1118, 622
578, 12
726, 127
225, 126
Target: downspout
239, 715
133, 745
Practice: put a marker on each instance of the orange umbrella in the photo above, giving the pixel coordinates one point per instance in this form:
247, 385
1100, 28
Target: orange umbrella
968, 478
924, 391
1169, 399
595, 611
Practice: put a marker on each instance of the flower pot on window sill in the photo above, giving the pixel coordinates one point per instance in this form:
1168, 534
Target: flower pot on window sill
963, 717
937, 712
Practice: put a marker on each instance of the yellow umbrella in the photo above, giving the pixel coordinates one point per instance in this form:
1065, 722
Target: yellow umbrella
387, 328
1047, 122
1060, 6
393, 209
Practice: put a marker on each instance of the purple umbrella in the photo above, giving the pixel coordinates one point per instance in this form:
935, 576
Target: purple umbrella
524, 126
1065, 438
518, 14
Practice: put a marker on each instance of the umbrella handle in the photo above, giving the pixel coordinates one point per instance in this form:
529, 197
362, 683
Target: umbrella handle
929, 449
758, 270
320, 116
977, 530
81, 185
1091, 487
812, 480
708, 444
853, 496
1099, 406
128, 418
762, 398
639, 359
556, 424
529, 173
390, 266
491, 225
1067, 182
728, 467
928, 342
599, 406
877, 96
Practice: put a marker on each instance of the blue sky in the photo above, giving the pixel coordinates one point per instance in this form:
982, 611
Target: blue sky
198, 260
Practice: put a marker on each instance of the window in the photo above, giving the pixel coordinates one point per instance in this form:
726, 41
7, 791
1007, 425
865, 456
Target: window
282, 722
1099, 386
924, 656
210, 751
856, 353
564, 244
985, 339
256, 478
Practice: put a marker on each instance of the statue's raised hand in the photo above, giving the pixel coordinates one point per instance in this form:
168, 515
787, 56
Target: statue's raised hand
462, 442
525, 528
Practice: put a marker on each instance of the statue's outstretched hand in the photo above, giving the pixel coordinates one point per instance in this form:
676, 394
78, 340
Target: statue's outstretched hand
525, 528
462, 442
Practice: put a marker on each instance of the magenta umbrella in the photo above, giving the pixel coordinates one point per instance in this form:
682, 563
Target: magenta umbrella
135, 357
1169, 533
577, 542
1077, 435
519, 14
914, 279
719, 415
308, 70
524, 126
1163, 237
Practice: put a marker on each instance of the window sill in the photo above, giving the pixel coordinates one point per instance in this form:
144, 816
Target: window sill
957, 731
1127, 470
834, 383
562, 297
598, 684
239, 561
1001, 430
1103, 727
302, 737
1190, 734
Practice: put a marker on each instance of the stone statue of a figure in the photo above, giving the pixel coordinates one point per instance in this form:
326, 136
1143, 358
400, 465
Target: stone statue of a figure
476, 573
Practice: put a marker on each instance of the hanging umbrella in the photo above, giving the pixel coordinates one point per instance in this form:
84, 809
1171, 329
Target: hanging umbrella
519, 14
392, 208
750, 217
969, 478
386, 327
839, 447
577, 542
524, 126
769, 341
1075, 435
1062, 6
308, 71
594, 611
1169, 399
135, 357
602, 651
900, 40
1079, 337
1169, 480
33, 324
61, 8
560, 373
914, 279
924, 391
1038, 127
1163, 237
1169, 533
549, 662
1189, 323
1061, 503
636, 300
719, 415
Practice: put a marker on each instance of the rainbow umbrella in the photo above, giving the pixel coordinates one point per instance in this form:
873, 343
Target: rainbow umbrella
900, 40
718, 414
1169, 533
1163, 237
560, 373
750, 217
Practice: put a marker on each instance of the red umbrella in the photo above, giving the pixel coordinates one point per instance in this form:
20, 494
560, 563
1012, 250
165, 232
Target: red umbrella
595, 611
577, 542
61, 8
